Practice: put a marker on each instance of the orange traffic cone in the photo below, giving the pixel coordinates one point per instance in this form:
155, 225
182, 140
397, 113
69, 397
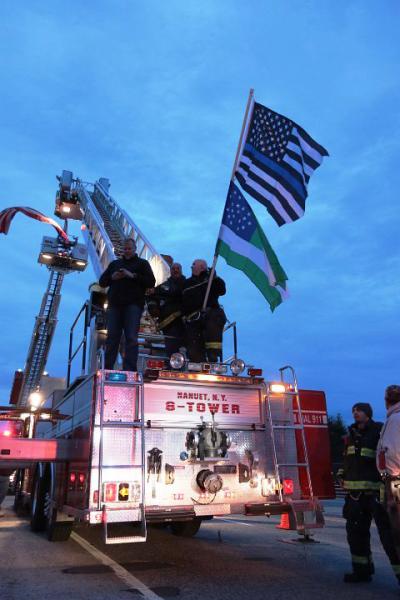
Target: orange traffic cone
288, 521
284, 524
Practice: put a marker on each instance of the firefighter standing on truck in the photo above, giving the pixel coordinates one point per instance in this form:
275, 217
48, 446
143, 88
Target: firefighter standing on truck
361, 481
165, 302
203, 329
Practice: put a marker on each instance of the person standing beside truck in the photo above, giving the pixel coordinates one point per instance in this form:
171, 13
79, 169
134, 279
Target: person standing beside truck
388, 459
127, 279
363, 485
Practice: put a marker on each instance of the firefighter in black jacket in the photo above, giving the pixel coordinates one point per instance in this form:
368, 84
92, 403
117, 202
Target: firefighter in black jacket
362, 483
203, 330
165, 302
127, 279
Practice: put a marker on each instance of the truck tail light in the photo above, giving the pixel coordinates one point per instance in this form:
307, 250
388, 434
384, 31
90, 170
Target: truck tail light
155, 364
123, 492
251, 372
268, 486
110, 492
135, 491
72, 477
82, 478
288, 487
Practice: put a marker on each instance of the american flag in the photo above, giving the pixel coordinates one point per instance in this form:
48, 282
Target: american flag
7, 215
276, 163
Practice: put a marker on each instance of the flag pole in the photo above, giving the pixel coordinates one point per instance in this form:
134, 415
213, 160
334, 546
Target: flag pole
243, 131
238, 152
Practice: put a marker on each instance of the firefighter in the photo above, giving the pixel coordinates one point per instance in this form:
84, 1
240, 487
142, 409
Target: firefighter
363, 485
388, 459
203, 329
166, 303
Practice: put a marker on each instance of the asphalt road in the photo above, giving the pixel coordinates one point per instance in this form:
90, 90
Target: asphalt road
229, 559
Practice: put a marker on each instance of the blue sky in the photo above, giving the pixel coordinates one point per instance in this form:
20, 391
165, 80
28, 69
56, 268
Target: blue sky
152, 95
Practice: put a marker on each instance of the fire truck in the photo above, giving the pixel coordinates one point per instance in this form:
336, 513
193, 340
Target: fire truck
176, 442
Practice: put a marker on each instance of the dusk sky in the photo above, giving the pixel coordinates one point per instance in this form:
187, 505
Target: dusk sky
152, 95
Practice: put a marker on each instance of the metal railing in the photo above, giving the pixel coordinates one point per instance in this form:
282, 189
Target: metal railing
82, 344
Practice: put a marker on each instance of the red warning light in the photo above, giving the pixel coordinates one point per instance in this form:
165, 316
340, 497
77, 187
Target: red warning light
288, 486
110, 492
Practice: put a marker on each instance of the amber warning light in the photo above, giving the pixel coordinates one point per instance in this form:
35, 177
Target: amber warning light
277, 388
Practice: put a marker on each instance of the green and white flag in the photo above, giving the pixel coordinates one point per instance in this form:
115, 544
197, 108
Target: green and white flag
244, 246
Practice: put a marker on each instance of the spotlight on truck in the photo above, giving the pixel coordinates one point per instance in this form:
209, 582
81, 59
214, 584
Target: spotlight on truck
177, 360
35, 400
60, 257
237, 366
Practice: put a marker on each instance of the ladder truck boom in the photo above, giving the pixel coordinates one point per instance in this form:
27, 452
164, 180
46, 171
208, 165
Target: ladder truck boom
106, 225
42, 336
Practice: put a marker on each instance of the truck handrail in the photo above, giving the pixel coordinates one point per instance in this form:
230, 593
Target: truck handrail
82, 343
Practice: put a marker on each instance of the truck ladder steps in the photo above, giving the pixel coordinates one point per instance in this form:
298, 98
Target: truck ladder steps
293, 396
124, 519
118, 522
126, 539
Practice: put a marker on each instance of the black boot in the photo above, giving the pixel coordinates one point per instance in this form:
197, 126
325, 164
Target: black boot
357, 577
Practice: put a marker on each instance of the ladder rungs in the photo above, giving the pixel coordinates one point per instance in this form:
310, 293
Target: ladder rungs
126, 540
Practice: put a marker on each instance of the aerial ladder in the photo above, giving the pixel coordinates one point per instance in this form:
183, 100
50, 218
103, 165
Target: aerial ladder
105, 225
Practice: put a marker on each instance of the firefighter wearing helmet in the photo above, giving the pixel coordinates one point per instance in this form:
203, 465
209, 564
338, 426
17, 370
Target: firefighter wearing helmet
364, 498
164, 302
203, 329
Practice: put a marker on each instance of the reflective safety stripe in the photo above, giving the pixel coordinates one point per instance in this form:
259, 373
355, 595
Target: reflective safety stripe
169, 319
360, 560
368, 452
213, 345
396, 569
350, 450
362, 485
194, 316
